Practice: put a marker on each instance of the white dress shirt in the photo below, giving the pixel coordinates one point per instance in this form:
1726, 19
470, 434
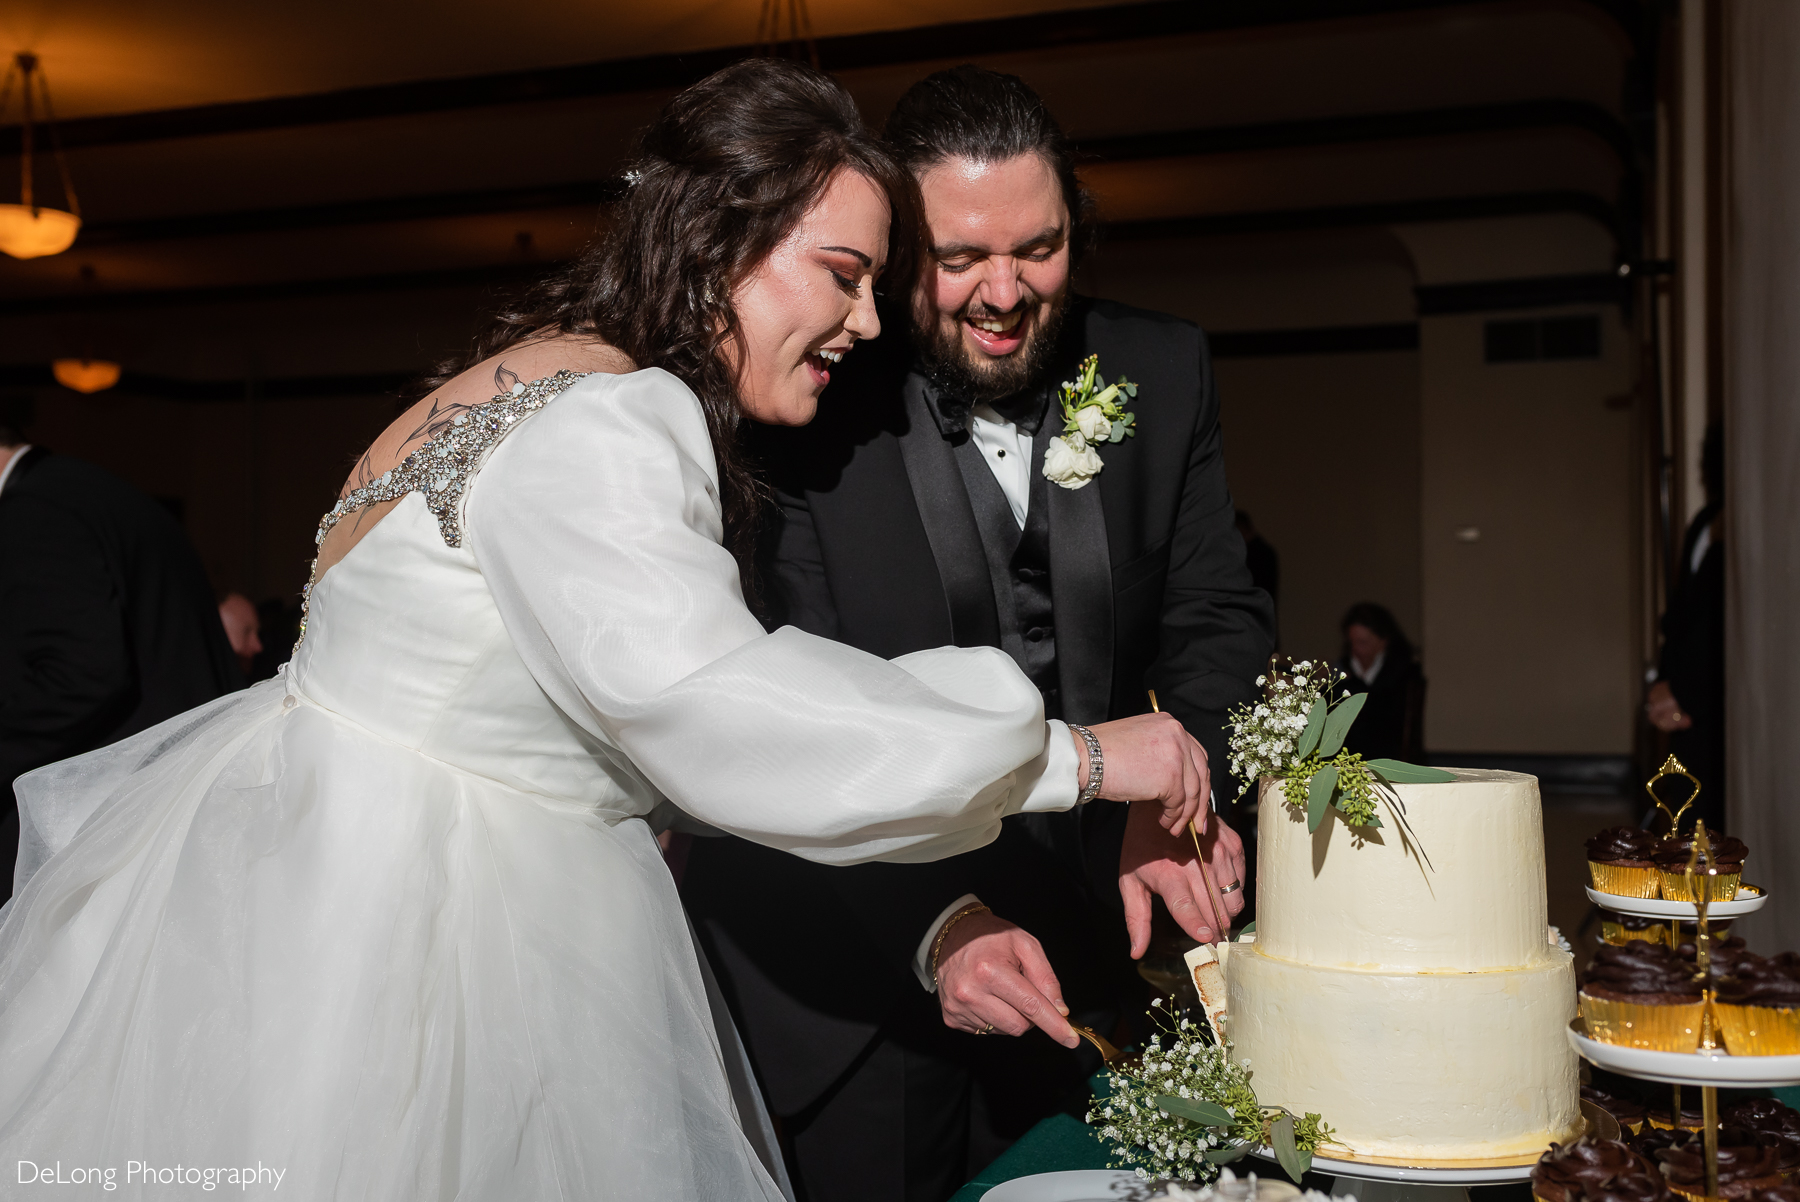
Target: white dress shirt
1006, 450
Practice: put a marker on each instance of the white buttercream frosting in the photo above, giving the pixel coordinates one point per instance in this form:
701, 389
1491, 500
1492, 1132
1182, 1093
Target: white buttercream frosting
1419, 1008
1367, 898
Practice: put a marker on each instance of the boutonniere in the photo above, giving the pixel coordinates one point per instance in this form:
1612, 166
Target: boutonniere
1093, 413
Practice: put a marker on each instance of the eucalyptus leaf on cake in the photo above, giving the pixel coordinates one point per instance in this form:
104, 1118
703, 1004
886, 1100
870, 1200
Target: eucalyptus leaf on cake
1296, 732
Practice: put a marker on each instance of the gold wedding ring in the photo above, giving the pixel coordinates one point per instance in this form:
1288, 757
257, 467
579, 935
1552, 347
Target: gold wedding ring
987, 1030
1231, 888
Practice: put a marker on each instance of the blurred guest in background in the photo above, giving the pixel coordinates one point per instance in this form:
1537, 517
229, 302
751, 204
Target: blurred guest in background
1264, 564
1378, 660
1687, 697
243, 629
107, 623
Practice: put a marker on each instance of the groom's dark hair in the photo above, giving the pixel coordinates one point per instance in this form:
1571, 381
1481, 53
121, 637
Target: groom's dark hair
973, 113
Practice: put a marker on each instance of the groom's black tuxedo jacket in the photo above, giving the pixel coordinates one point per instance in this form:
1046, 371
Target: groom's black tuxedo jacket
878, 545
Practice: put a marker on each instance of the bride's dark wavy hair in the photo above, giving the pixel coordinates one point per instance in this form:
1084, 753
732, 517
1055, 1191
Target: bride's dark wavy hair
725, 172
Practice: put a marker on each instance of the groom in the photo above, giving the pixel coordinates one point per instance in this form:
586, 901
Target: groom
915, 513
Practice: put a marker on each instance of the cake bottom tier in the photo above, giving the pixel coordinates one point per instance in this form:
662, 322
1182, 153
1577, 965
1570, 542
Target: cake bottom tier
1446, 1066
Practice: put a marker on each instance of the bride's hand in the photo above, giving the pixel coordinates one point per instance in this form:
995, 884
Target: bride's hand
1151, 757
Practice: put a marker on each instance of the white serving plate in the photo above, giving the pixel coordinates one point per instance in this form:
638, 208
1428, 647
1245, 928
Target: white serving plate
1686, 1068
1077, 1185
1749, 899
1362, 1170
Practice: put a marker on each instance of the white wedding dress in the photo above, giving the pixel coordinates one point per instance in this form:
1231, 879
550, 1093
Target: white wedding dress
395, 922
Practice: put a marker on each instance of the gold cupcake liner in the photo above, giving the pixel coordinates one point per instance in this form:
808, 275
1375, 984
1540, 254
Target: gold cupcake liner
1625, 882
1668, 1126
1617, 933
1701, 1196
1673, 1028
1723, 887
1758, 1030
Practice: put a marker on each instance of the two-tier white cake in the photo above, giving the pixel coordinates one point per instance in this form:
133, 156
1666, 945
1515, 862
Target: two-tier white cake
1420, 1009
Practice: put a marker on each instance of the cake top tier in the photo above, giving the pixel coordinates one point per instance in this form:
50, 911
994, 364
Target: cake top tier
1458, 888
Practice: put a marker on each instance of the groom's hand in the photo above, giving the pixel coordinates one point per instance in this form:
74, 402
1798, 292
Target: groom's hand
1154, 861
992, 972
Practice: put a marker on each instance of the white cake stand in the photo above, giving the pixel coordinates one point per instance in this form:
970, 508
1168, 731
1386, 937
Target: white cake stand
1749, 899
1396, 1181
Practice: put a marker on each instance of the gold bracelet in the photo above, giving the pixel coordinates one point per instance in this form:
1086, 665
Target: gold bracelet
937, 945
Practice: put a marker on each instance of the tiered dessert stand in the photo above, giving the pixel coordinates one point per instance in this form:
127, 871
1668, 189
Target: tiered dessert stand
1710, 1066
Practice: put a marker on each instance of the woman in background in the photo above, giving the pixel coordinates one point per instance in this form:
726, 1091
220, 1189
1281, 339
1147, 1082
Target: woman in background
1378, 660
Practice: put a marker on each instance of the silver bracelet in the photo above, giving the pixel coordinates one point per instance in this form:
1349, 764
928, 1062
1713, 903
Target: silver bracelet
1096, 765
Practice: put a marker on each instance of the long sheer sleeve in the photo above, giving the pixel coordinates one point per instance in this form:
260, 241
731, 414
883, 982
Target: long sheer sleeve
597, 528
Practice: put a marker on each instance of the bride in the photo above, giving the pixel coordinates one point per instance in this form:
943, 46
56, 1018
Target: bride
394, 925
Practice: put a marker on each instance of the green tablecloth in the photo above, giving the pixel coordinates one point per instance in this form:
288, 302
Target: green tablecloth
1060, 1143
1057, 1144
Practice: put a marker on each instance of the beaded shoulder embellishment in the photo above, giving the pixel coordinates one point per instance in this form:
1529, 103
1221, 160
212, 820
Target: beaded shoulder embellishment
441, 467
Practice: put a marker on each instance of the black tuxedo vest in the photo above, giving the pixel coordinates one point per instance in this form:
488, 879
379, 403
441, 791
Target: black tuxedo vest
1018, 560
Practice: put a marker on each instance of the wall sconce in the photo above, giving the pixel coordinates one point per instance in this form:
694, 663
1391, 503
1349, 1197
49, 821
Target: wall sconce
85, 375
29, 230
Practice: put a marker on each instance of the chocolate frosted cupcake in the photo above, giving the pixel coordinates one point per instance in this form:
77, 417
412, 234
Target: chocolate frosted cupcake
1620, 859
1726, 953
1766, 1116
1571, 1172
1758, 1008
1630, 1113
1623, 928
1747, 1164
1691, 1118
1632, 1187
1642, 995
1777, 1193
1671, 857
1653, 1139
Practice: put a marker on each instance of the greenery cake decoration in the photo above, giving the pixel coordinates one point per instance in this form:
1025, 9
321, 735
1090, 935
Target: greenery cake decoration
1295, 733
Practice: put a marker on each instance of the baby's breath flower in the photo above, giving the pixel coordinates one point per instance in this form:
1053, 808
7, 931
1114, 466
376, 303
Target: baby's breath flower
1265, 733
1158, 1144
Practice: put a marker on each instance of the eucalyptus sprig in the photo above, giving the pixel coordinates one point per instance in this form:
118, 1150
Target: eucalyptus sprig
1188, 1109
1296, 734
1107, 420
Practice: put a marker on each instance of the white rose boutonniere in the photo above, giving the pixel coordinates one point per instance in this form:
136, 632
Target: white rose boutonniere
1068, 466
1093, 414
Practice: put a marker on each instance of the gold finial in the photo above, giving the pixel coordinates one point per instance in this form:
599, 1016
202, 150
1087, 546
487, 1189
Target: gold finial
1673, 767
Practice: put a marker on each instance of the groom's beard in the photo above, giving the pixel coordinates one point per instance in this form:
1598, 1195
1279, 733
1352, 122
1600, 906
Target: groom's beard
977, 379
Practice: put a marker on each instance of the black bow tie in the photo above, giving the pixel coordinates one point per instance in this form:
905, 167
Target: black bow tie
1024, 409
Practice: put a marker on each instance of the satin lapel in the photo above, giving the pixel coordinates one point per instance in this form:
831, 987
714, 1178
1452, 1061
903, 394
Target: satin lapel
1080, 591
949, 522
